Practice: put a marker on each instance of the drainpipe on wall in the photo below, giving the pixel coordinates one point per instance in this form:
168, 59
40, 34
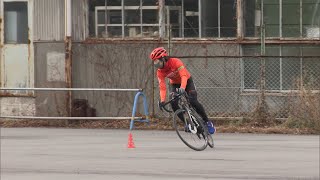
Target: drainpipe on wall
162, 23
68, 54
239, 19
258, 17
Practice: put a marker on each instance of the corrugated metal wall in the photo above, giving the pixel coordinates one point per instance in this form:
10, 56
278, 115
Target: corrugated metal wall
49, 27
48, 20
79, 20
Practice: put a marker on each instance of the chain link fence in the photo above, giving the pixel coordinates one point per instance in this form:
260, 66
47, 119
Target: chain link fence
232, 80
235, 86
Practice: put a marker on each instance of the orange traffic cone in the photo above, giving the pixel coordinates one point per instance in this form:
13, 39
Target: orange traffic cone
130, 141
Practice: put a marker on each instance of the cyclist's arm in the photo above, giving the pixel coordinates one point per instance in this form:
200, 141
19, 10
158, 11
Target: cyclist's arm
162, 86
184, 74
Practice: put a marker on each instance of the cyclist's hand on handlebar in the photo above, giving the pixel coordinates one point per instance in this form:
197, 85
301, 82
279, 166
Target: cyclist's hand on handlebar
161, 105
180, 90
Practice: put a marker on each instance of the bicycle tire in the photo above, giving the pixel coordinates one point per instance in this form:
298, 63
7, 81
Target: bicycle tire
210, 141
209, 136
199, 138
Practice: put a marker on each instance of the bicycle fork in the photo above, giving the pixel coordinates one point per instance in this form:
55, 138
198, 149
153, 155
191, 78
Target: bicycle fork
192, 124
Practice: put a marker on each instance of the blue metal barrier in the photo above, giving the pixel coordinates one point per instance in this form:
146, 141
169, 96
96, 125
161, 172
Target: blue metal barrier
134, 109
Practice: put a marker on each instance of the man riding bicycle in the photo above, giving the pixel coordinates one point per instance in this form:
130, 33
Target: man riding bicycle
180, 82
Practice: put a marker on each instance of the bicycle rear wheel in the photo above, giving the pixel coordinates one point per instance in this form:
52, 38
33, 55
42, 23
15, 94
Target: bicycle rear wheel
210, 141
209, 136
195, 138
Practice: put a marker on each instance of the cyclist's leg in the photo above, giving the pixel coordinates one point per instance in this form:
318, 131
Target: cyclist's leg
191, 90
174, 104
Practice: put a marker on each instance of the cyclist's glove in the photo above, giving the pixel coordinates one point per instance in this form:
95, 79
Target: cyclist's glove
180, 90
161, 105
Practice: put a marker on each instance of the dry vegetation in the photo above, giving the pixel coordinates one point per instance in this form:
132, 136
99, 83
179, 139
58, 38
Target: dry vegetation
156, 124
303, 112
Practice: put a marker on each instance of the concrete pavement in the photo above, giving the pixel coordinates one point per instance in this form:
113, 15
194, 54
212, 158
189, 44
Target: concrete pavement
96, 154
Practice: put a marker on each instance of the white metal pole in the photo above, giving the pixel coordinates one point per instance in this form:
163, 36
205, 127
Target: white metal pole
200, 18
68, 23
68, 89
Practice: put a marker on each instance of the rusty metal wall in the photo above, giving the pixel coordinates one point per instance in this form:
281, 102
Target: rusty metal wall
49, 73
48, 20
112, 65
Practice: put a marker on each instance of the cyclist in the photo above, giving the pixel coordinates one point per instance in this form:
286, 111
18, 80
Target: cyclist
180, 82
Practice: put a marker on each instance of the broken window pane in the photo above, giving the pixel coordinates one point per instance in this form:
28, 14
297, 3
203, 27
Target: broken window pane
252, 17
191, 19
253, 14
175, 22
311, 18
16, 22
173, 17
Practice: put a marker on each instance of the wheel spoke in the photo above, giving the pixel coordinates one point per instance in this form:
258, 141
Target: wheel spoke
196, 141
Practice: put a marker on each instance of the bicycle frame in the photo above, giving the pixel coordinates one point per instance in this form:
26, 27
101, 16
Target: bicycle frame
191, 119
185, 105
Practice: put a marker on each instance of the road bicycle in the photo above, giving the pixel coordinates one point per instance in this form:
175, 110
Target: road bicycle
188, 124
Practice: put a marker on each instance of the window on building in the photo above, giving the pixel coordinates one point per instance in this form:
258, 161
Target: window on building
282, 73
282, 18
219, 18
182, 18
124, 18
15, 22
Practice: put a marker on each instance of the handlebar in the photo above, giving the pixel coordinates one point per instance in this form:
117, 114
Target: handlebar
176, 96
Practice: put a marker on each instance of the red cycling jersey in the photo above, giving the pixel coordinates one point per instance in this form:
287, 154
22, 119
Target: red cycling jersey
175, 70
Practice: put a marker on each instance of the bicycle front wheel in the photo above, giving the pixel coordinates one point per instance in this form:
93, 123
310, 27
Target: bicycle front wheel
190, 130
